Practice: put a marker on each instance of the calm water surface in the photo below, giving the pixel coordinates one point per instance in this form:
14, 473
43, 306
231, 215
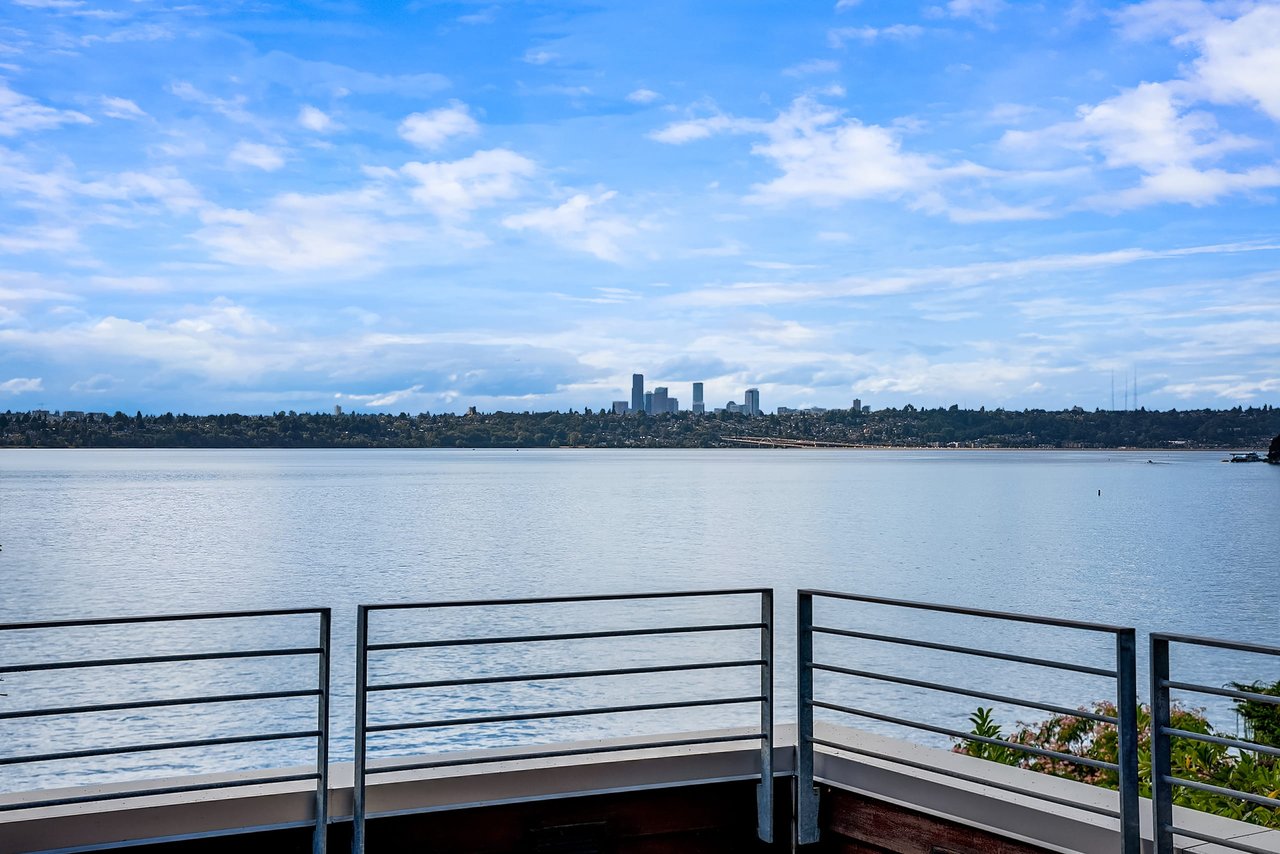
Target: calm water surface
1187, 545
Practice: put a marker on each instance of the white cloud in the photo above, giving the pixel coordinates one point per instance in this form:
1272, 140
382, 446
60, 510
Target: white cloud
643, 96
432, 129
841, 5
1148, 128
137, 33
164, 186
21, 385
232, 108
134, 284
895, 32
536, 56
96, 384
678, 133
452, 190
825, 157
264, 157
315, 119
122, 108
1240, 60
983, 12
40, 238
578, 224
390, 398
297, 233
942, 277
20, 114
1163, 18
813, 66
485, 16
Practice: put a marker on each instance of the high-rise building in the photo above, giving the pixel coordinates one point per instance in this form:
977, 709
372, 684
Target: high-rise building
857, 404
698, 405
637, 393
751, 401
648, 403
660, 403
620, 407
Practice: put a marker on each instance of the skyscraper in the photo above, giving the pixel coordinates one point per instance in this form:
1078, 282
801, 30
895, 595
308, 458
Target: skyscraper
637, 392
660, 400
647, 406
698, 405
751, 401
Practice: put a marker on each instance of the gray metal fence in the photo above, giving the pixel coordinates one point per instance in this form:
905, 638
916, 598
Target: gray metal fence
1122, 669
246, 621
366, 686
1163, 781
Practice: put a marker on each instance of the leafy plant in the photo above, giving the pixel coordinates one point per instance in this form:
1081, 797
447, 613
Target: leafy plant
1261, 720
1215, 764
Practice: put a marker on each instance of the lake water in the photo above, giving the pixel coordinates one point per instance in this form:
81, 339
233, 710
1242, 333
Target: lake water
1188, 544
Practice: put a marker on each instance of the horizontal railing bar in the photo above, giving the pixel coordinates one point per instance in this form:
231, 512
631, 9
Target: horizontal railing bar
969, 612
969, 778
968, 692
159, 618
167, 745
1270, 699
564, 713
968, 736
547, 600
1225, 742
159, 659
166, 790
615, 633
1261, 649
1261, 800
576, 751
1217, 840
152, 704
983, 653
572, 674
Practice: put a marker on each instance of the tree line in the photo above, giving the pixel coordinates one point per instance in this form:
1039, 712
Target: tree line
1236, 428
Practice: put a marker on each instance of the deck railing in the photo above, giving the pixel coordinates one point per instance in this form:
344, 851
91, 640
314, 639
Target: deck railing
234, 693
433, 626
369, 647
1163, 781
1122, 669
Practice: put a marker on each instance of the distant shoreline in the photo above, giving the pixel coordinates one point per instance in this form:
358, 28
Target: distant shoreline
1118, 450
908, 428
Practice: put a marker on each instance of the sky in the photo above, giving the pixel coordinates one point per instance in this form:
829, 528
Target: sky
424, 206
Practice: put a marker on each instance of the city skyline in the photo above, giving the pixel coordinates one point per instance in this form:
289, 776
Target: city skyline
437, 205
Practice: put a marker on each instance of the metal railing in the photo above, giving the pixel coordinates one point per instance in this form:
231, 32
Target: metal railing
1122, 670
320, 733
763, 698
1163, 782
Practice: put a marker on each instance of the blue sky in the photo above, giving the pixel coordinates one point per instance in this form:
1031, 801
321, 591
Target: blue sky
257, 206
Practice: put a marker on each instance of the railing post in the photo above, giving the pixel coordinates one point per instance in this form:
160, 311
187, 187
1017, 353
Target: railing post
764, 794
1127, 748
1161, 760
362, 721
320, 840
806, 794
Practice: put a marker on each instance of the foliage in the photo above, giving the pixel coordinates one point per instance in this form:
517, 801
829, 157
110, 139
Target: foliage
1205, 762
1273, 454
1261, 720
907, 427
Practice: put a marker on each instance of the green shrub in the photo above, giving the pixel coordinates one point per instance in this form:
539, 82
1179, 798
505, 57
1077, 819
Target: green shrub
1215, 764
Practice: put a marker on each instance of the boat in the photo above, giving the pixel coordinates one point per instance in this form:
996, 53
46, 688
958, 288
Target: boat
1249, 457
